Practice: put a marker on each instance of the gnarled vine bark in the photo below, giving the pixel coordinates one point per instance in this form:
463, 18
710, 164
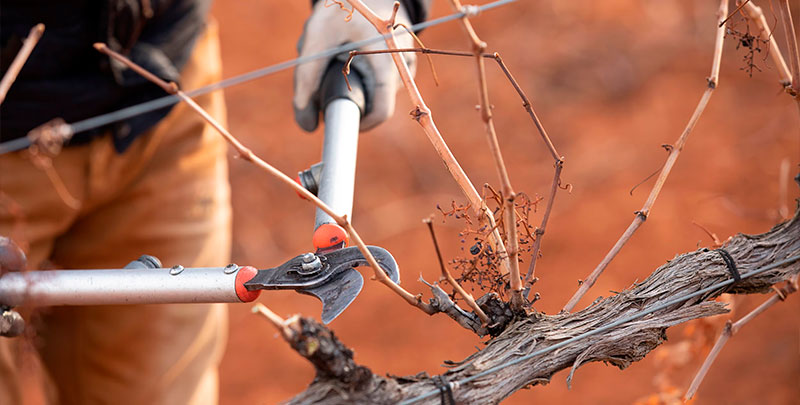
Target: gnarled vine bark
620, 346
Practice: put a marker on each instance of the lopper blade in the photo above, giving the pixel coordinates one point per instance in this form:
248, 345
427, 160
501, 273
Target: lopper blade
330, 277
338, 295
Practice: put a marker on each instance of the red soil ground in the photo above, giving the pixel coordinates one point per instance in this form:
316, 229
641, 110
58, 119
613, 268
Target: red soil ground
612, 81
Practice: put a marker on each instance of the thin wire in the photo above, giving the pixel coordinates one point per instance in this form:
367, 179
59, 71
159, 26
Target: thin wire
132, 111
14, 145
605, 327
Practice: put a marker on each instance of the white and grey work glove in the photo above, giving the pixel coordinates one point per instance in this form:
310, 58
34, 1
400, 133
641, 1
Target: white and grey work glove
326, 28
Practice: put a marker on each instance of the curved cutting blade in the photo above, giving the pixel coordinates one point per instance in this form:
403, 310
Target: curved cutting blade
337, 295
335, 282
386, 261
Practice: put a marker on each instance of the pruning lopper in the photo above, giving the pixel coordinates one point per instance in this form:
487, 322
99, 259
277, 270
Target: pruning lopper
327, 274
331, 277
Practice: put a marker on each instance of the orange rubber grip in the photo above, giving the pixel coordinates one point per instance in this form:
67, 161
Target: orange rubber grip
244, 275
297, 180
328, 236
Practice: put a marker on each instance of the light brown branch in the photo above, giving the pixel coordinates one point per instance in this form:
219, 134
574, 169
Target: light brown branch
170, 88
393, 17
783, 188
422, 50
341, 220
526, 103
450, 279
22, 56
791, 43
244, 152
275, 320
422, 114
414, 300
675, 151
510, 220
731, 329
559, 161
478, 49
422, 46
248, 155
46, 165
46, 143
739, 5
714, 238
477, 45
530, 277
755, 15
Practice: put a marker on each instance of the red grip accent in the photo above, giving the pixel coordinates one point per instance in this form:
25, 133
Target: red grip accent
297, 180
329, 235
244, 275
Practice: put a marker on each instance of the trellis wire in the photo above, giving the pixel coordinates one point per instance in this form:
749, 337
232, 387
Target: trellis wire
132, 111
605, 328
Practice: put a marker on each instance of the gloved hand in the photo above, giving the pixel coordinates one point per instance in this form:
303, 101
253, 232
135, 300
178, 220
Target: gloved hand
11, 259
326, 28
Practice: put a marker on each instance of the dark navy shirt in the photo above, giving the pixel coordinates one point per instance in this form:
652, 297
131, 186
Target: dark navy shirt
66, 77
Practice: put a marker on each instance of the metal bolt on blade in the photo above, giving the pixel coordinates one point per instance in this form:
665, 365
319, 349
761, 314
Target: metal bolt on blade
231, 268
311, 262
175, 270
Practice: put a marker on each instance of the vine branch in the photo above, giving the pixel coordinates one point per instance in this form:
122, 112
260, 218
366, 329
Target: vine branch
732, 328
559, 161
22, 56
755, 15
510, 220
620, 346
675, 150
450, 279
422, 114
791, 43
248, 155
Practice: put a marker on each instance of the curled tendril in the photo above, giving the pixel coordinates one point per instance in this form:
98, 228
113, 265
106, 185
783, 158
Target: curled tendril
329, 3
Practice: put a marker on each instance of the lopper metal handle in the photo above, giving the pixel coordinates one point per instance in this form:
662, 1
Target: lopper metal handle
135, 284
343, 109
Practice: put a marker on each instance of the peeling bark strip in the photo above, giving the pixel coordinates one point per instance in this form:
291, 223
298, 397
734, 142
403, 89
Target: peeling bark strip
620, 346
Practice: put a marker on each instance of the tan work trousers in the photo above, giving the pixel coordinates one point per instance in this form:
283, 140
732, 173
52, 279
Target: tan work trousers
168, 196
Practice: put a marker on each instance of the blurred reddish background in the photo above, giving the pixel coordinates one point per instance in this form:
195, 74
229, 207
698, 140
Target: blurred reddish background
612, 81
